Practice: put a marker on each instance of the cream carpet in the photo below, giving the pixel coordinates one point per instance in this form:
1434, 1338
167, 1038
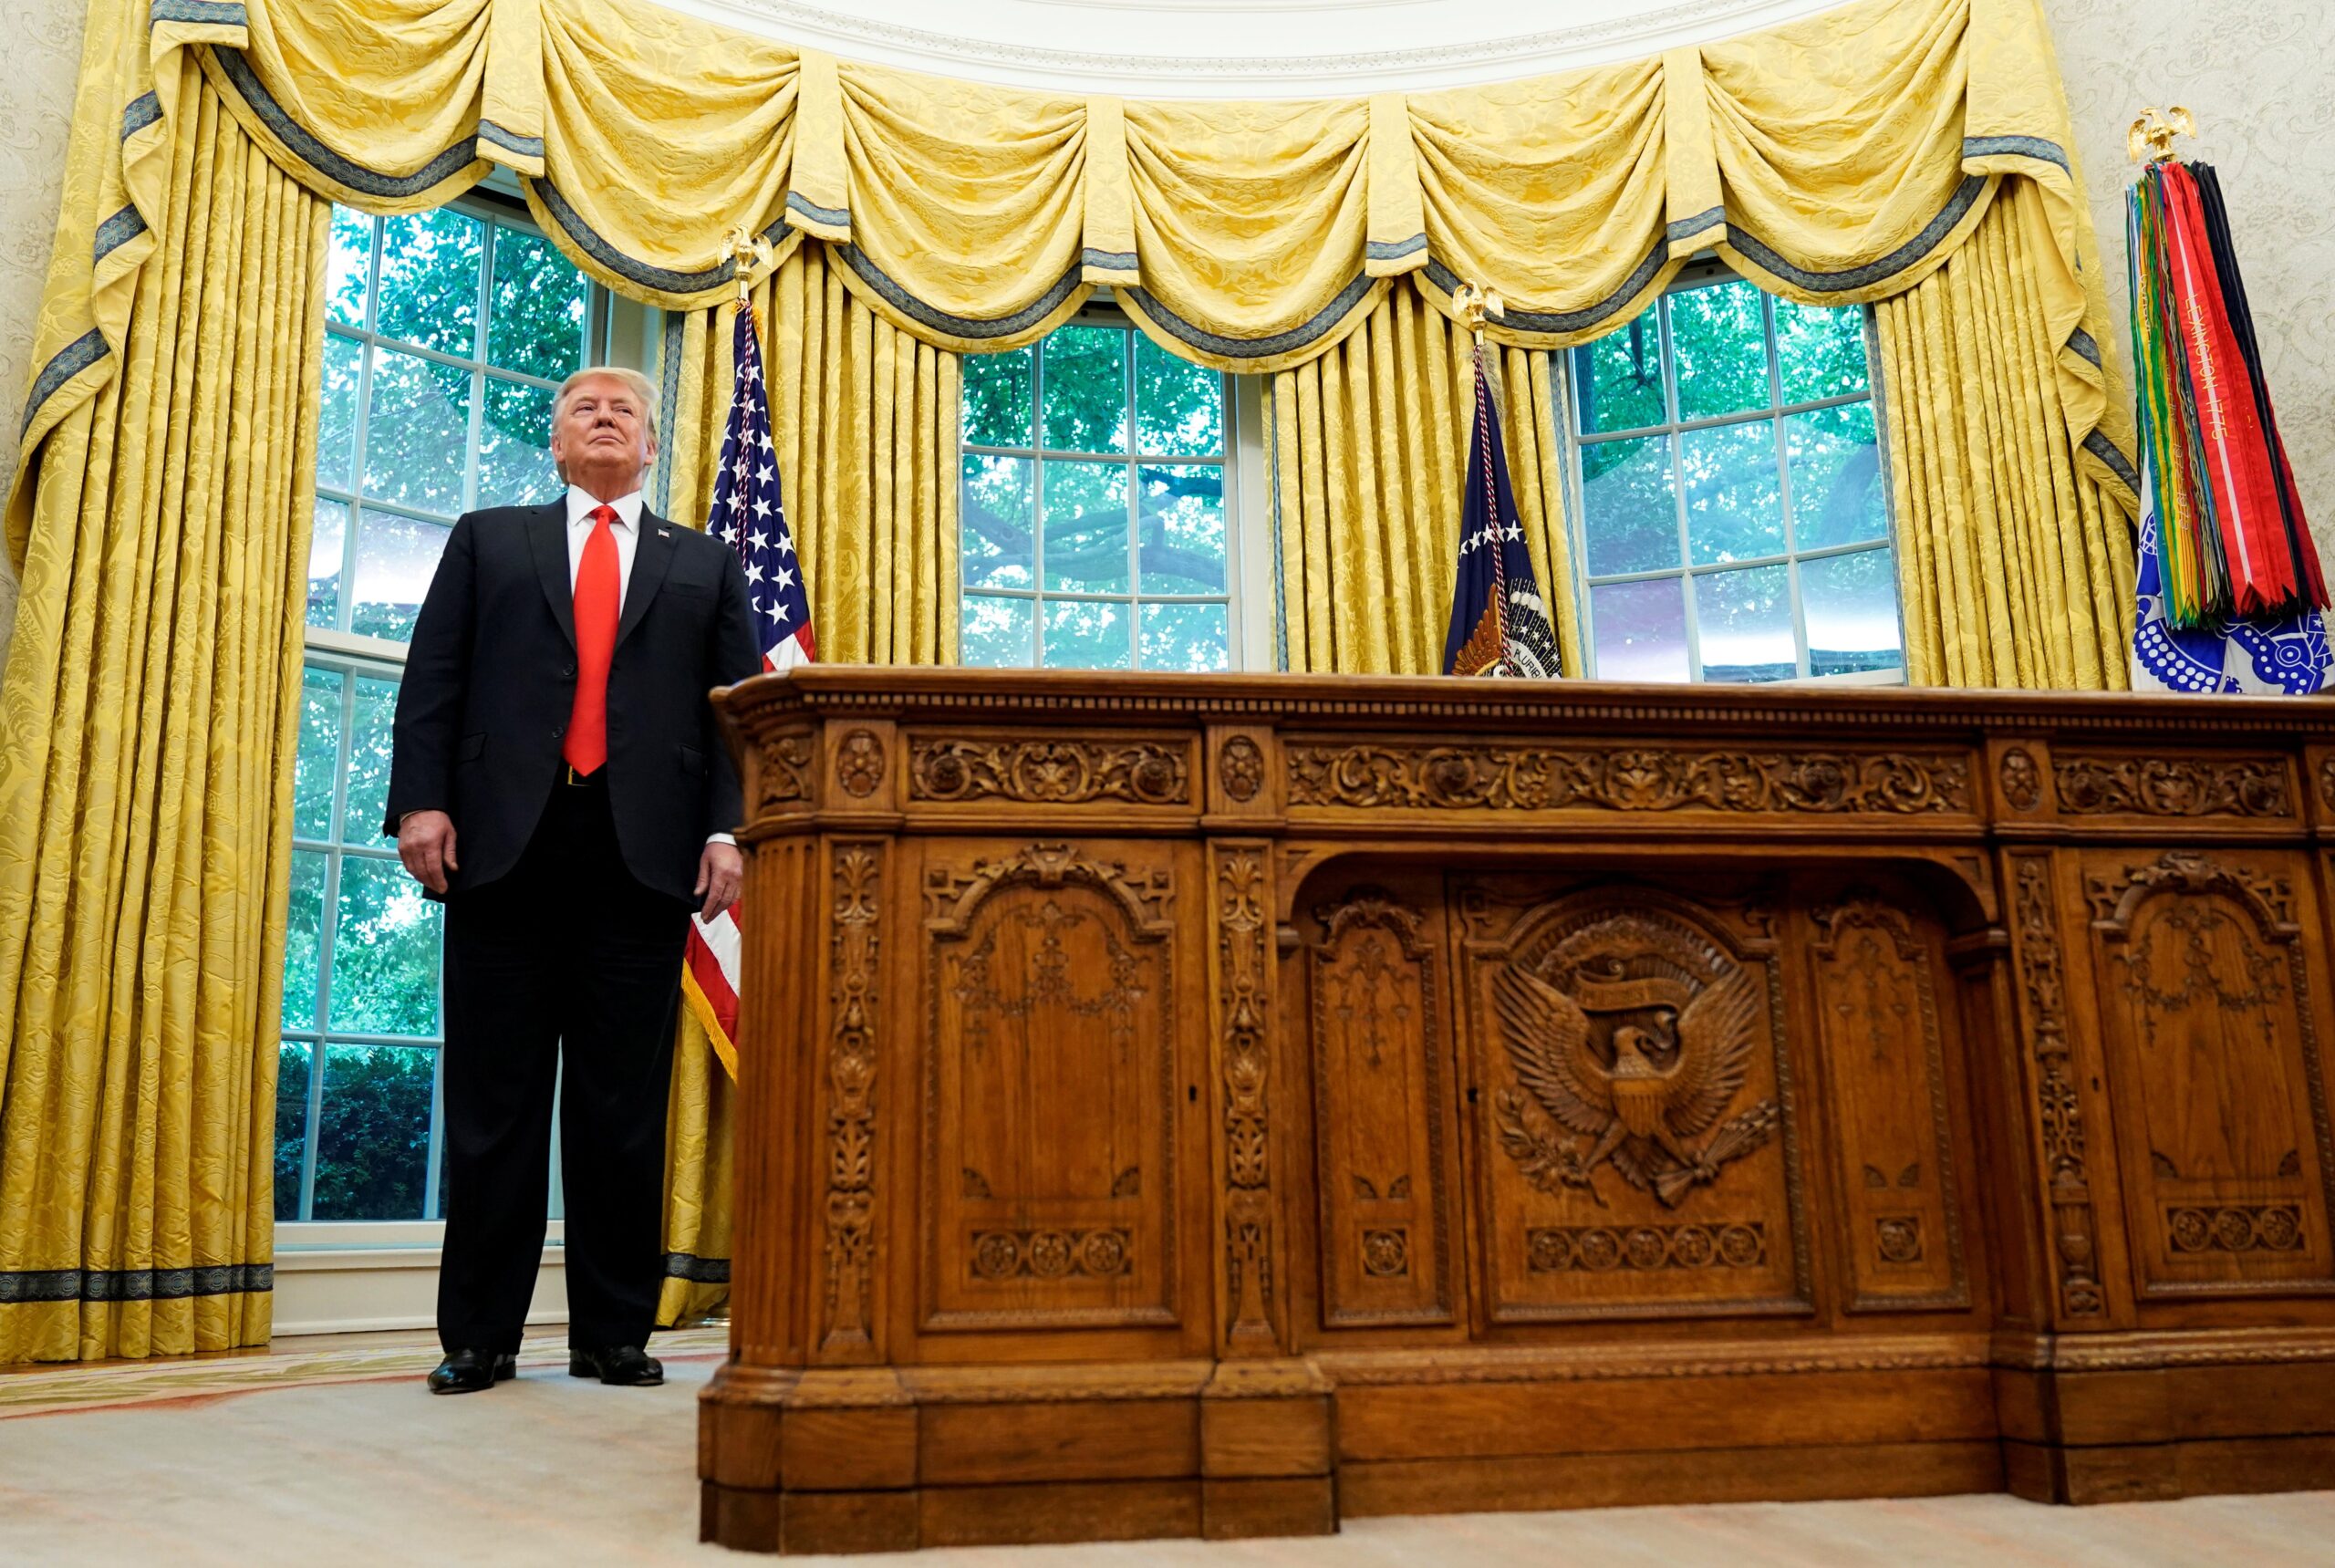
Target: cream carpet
559, 1471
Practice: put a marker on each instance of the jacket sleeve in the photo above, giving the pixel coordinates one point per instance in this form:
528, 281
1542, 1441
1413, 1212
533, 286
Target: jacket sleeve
733, 652
437, 676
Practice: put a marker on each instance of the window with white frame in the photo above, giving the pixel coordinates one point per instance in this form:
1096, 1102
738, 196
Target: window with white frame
448, 333
1093, 506
1731, 498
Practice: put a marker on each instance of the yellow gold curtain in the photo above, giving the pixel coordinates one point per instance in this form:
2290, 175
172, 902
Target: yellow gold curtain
864, 419
145, 816
2014, 565
1369, 450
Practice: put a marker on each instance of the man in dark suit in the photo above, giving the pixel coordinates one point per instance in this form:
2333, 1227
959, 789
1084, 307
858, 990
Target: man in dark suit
558, 779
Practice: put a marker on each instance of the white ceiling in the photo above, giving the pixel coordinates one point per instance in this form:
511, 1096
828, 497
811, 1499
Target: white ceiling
1244, 48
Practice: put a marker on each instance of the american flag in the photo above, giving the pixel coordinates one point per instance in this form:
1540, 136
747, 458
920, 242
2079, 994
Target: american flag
750, 517
1499, 623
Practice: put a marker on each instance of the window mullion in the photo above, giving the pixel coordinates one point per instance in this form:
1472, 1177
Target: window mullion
1676, 443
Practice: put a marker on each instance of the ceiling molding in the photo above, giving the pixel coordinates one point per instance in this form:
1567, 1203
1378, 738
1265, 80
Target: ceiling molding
1265, 41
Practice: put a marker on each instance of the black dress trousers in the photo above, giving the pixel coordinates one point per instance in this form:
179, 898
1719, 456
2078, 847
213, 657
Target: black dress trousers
567, 954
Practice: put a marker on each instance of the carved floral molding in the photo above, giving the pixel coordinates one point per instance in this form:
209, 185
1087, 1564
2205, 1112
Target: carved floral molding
1500, 777
1051, 773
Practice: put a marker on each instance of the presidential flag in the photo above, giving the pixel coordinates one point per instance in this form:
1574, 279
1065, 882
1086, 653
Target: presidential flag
1499, 623
748, 515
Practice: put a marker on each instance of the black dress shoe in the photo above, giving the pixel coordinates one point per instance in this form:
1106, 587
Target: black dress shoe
468, 1371
623, 1366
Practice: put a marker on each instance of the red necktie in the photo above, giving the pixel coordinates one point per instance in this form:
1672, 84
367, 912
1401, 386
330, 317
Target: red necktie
597, 594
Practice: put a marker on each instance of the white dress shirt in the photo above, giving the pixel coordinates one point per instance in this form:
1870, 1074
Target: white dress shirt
625, 530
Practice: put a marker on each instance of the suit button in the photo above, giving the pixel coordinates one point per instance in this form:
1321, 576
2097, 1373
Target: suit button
557, 730
570, 672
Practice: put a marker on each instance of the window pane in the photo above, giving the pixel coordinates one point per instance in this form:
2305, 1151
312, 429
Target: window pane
1744, 621
396, 557
1186, 637
1820, 350
373, 1135
1717, 341
304, 939
319, 753
1181, 530
535, 322
352, 259
337, 412
1087, 637
291, 1124
327, 538
1836, 490
996, 634
1735, 502
1628, 515
384, 951
514, 465
368, 760
429, 295
1085, 393
1851, 604
1085, 508
993, 523
1641, 630
1617, 379
1178, 406
416, 436
997, 398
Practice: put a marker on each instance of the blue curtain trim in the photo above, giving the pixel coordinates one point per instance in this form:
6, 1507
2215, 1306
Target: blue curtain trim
1298, 337
2081, 342
1394, 249
1280, 602
213, 12
116, 232
1444, 278
646, 274
835, 217
2100, 447
669, 404
1904, 256
1115, 261
1701, 222
696, 1270
143, 110
323, 159
2018, 146
916, 311
135, 1285
511, 140
68, 362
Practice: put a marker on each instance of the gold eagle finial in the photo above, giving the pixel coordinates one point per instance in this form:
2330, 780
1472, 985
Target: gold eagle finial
2151, 138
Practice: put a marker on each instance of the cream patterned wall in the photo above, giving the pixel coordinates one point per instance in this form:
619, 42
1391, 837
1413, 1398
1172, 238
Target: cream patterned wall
2256, 77
43, 59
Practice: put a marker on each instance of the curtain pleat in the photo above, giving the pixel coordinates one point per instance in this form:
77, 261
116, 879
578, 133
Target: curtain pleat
2015, 567
145, 823
1368, 454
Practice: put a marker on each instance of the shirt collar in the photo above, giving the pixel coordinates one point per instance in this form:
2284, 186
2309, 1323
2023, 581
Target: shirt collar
580, 503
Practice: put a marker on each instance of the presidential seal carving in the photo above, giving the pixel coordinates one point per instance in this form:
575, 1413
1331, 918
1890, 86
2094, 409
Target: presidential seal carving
1630, 1046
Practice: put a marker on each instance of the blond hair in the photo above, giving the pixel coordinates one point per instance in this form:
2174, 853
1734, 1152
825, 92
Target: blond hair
643, 393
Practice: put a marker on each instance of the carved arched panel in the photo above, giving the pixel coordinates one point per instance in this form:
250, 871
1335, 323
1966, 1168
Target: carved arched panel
1050, 1179
1378, 1000
2212, 1024
1638, 1132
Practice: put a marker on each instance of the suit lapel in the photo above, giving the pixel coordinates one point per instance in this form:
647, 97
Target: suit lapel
547, 540
651, 558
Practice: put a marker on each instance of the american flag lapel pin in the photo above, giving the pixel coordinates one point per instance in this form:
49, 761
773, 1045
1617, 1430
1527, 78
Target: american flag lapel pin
664, 533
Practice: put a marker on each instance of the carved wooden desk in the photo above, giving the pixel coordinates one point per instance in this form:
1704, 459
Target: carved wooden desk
1220, 1106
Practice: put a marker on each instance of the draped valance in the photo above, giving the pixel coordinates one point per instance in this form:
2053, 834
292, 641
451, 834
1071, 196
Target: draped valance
1837, 158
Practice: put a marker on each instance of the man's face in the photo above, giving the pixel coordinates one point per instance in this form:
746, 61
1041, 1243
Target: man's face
600, 435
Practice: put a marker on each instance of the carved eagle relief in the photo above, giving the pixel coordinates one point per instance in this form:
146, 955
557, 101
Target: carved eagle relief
1642, 1073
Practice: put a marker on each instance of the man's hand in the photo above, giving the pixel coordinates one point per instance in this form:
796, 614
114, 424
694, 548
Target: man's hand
426, 844
719, 871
